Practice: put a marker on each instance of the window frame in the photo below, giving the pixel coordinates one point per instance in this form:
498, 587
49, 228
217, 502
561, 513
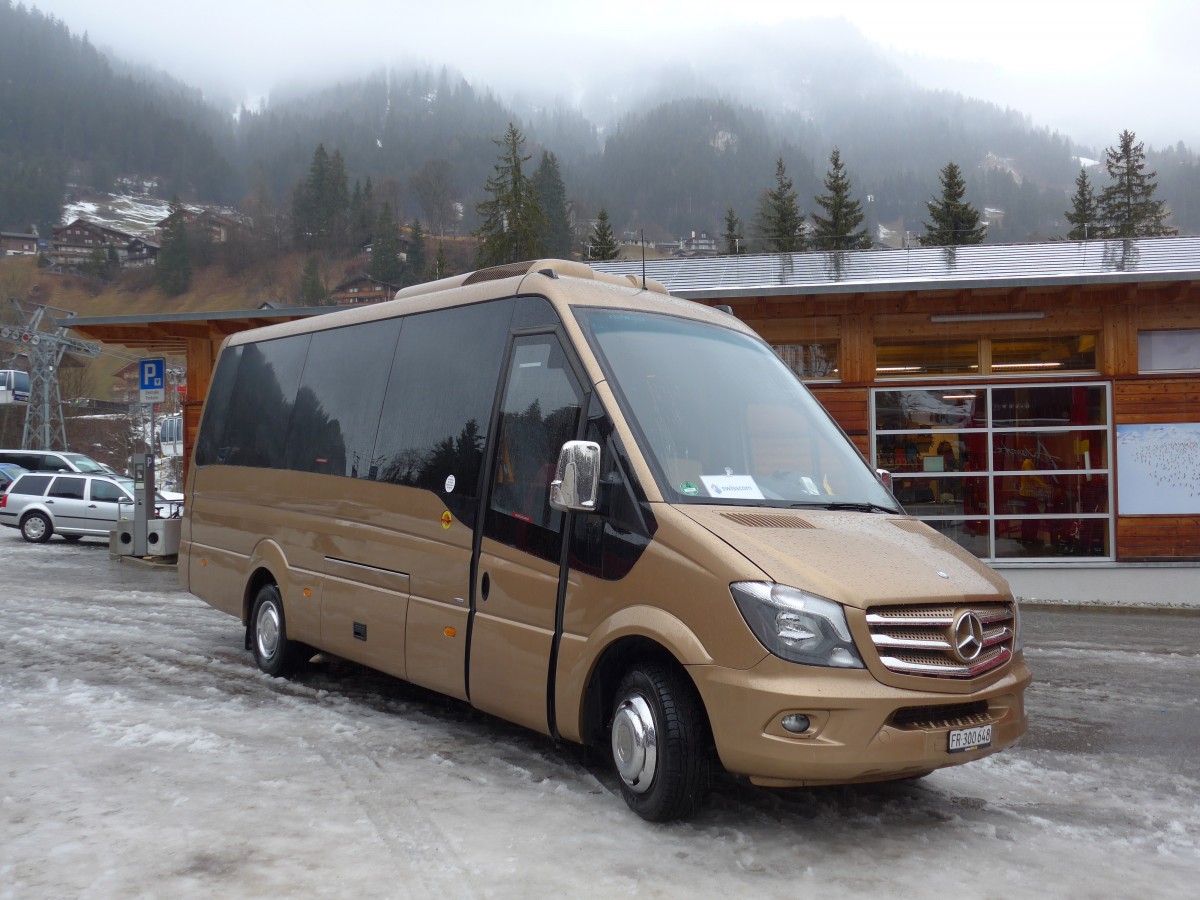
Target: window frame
989, 430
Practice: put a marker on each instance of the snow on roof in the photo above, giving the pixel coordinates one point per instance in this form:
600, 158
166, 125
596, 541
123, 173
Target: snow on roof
981, 265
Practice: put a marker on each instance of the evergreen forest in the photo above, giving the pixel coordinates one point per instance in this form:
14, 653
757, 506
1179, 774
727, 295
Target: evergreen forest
682, 156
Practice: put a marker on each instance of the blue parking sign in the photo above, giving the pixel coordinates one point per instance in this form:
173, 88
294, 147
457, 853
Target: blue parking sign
152, 380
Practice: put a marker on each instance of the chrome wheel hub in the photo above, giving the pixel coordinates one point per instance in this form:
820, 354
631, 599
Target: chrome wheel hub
635, 743
266, 630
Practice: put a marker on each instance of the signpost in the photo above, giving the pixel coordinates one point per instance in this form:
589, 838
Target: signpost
152, 380
152, 388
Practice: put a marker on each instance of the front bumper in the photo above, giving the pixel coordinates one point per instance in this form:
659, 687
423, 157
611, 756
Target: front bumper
855, 734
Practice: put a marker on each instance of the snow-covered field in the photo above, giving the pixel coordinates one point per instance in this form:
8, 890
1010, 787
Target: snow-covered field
133, 214
142, 754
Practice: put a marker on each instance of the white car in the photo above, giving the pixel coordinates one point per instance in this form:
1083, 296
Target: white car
73, 505
54, 461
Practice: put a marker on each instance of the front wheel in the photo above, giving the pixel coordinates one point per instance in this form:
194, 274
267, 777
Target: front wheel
273, 652
660, 743
36, 528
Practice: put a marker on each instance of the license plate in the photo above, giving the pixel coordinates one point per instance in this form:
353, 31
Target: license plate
970, 738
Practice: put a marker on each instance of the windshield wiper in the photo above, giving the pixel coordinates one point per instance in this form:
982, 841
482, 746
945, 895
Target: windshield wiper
857, 507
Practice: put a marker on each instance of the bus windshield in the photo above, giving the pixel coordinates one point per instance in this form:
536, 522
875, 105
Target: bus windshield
723, 420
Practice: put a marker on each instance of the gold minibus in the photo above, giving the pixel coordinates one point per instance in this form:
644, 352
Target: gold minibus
602, 512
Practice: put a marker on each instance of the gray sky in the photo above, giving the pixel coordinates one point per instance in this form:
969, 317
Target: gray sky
1087, 69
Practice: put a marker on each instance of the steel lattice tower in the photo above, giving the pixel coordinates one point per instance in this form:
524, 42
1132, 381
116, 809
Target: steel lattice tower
44, 426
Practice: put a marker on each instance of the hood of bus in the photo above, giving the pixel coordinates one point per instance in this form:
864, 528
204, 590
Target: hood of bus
857, 559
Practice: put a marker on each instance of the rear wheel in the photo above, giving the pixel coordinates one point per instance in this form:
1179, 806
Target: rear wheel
36, 528
660, 743
273, 652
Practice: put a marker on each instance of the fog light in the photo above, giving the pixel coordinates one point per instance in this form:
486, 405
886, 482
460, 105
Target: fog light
795, 723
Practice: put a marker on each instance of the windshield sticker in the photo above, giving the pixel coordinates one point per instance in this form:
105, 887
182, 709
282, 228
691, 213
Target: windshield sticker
449, 484
732, 487
688, 488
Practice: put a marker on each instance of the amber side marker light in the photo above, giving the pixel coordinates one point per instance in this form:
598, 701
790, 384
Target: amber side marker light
449, 632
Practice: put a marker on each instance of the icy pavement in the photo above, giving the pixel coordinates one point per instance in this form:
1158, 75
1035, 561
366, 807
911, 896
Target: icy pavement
142, 754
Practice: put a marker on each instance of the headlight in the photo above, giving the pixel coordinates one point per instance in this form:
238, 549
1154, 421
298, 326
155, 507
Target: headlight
1018, 637
797, 626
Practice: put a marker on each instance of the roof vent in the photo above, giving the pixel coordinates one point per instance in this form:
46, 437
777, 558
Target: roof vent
498, 273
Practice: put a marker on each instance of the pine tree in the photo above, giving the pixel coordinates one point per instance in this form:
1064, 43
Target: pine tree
312, 289
513, 220
836, 230
954, 222
780, 224
1127, 207
335, 203
321, 203
174, 263
552, 194
602, 242
416, 255
440, 267
1084, 214
385, 248
733, 233
307, 218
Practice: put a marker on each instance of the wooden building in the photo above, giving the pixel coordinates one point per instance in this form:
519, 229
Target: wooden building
1039, 404
18, 243
362, 288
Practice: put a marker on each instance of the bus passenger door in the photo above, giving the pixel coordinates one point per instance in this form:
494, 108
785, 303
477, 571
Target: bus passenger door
517, 575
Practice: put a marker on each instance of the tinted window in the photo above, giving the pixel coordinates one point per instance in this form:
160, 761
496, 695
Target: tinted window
439, 402
609, 541
539, 414
336, 416
210, 447
31, 484
261, 407
68, 488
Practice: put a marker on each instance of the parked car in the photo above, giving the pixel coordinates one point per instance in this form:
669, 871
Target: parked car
73, 505
53, 461
8, 474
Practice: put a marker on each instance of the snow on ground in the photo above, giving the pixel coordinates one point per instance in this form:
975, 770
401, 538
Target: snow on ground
144, 755
131, 213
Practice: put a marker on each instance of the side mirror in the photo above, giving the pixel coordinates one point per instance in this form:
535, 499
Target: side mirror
576, 483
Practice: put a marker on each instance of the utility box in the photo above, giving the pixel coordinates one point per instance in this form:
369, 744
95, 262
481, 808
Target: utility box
162, 537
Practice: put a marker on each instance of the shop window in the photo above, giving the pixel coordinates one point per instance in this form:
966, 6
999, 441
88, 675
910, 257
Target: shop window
1037, 355
810, 361
1007, 472
1024, 356
909, 359
1169, 351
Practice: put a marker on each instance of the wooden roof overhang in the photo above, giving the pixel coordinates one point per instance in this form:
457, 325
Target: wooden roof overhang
175, 333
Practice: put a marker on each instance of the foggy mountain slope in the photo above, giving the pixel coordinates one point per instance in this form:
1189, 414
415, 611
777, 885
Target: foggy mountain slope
669, 144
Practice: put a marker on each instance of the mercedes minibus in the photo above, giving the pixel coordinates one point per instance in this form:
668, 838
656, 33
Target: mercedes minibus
602, 512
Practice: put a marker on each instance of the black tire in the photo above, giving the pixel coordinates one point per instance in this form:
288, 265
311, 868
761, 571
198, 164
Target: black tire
72, 538
36, 528
267, 631
660, 743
